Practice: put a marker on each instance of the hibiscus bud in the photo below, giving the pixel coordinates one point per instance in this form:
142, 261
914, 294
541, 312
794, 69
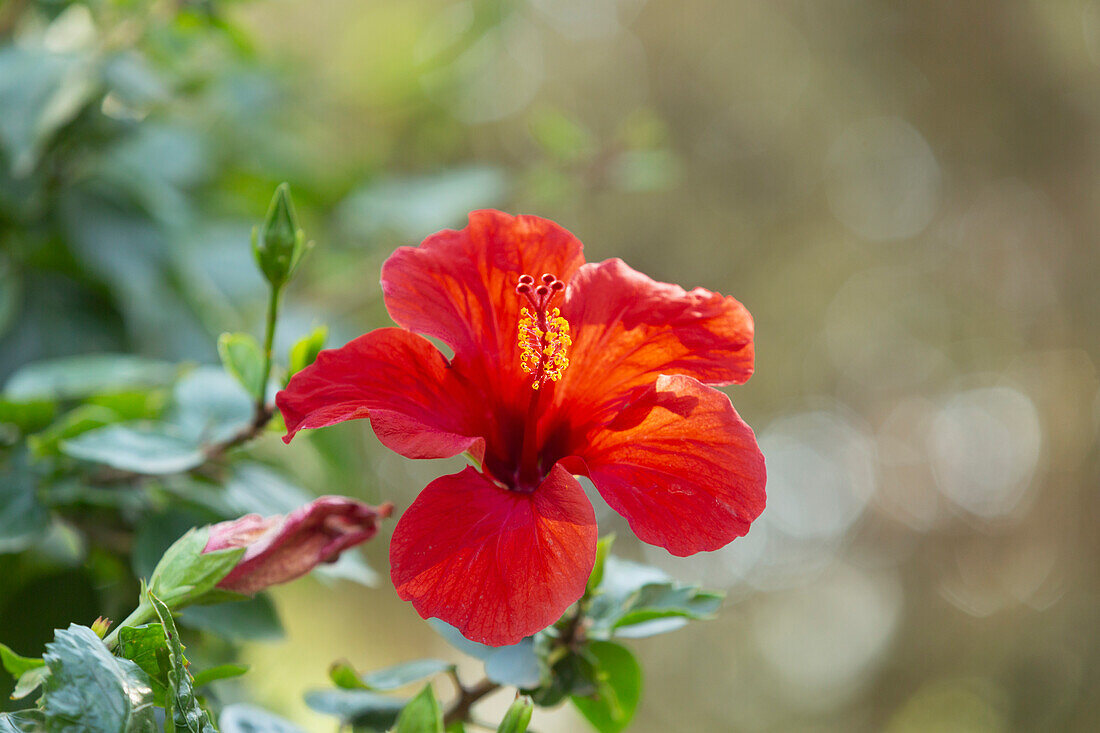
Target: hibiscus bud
279, 243
101, 625
281, 548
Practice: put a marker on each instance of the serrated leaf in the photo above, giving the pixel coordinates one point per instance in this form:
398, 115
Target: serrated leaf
221, 672
24, 721
518, 716
421, 715
618, 687
90, 690
244, 360
76, 377
141, 447
183, 708
304, 352
146, 647
359, 708
241, 718
390, 678
185, 573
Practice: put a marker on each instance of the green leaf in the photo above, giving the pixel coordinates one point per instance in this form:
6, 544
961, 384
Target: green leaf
221, 672
241, 356
359, 708
29, 681
421, 715
254, 619
183, 707
241, 718
518, 716
145, 646
185, 573
211, 406
516, 665
147, 448
22, 517
304, 352
665, 601
140, 404
618, 687
24, 721
573, 674
40, 92
390, 678
78, 420
16, 664
636, 600
603, 548
89, 689
28, 416
76, 377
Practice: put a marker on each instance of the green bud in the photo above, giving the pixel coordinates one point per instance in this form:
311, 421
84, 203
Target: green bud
100, 626
518, 716
280, 243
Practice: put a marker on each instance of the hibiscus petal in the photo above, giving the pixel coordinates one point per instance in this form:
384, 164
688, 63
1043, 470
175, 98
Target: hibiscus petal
681, 466
417, 405
496, 564
628, 328
459, 286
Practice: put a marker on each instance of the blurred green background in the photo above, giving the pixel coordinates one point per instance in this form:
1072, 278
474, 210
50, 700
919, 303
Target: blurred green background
903, 194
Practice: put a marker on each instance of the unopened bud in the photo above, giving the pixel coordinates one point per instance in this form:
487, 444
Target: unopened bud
100, 626
279, 243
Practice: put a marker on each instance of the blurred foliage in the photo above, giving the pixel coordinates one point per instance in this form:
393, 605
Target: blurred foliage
903, 194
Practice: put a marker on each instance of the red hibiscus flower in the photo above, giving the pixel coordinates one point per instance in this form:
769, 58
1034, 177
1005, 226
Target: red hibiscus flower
560, 368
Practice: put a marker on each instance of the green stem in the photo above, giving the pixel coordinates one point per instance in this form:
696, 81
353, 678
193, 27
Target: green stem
141, 614
269, 340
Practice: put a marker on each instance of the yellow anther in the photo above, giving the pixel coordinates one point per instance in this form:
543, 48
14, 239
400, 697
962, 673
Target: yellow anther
544, 353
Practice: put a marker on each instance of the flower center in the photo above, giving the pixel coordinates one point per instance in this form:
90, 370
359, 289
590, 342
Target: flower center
543, 334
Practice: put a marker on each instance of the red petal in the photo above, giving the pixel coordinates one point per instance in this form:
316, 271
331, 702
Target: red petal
459, 286
680, 465
498, 565
628, 328
416, 404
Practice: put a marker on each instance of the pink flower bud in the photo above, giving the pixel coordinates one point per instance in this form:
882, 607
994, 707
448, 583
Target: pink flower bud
282, 548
